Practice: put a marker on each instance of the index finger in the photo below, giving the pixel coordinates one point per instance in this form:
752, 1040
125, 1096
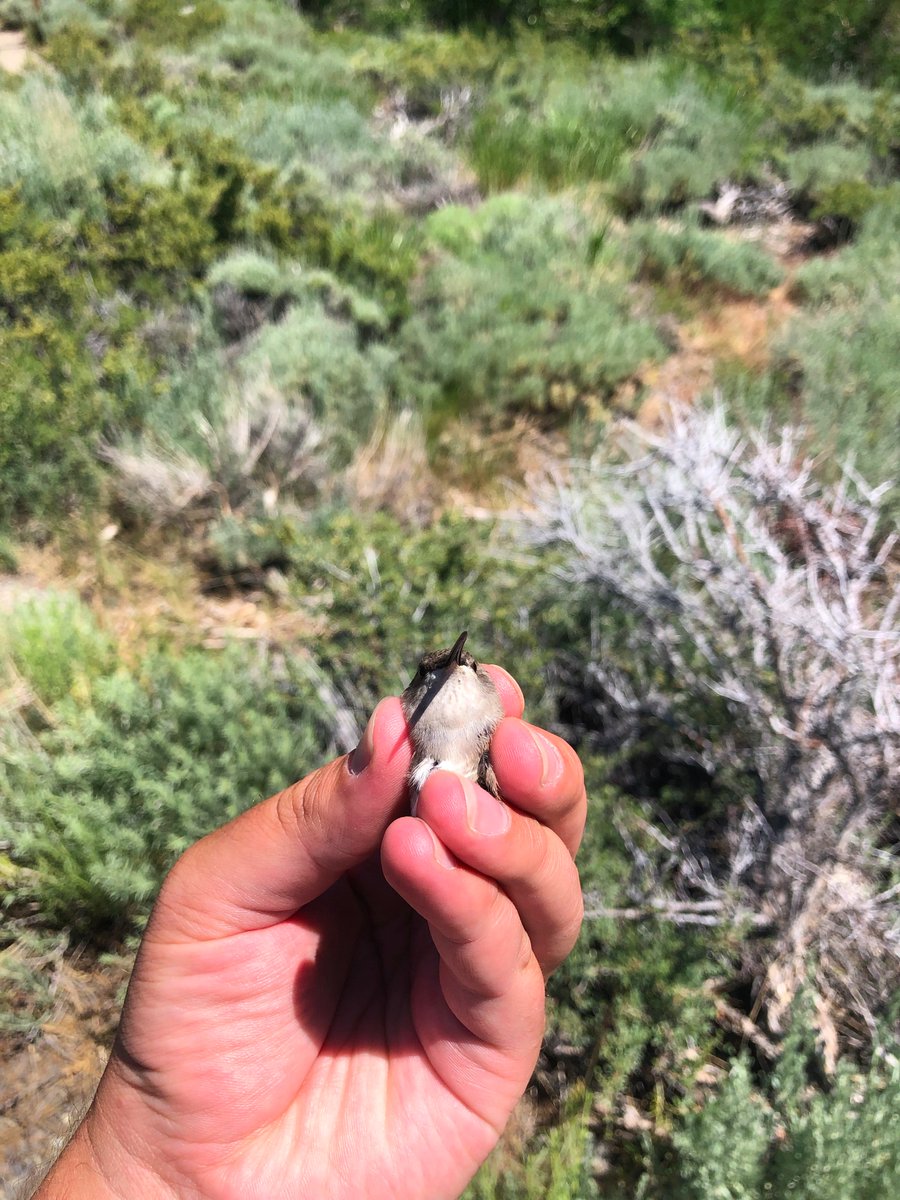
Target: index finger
510, 692
541, 775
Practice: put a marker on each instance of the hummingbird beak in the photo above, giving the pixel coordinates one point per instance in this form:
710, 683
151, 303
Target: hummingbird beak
456, 652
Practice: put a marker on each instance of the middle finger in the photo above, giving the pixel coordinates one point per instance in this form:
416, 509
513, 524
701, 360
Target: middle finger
529, 862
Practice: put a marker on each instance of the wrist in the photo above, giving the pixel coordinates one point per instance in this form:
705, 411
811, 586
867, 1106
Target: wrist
95, 1165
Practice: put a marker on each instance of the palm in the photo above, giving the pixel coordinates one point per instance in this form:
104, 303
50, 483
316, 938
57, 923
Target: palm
300, 1043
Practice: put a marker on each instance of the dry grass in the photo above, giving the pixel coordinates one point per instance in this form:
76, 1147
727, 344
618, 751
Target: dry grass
392, 471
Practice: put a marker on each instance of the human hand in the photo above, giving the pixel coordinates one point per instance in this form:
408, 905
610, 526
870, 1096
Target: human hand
334, 999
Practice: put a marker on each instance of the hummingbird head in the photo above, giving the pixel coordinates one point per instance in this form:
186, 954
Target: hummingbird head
447, 660
444, 679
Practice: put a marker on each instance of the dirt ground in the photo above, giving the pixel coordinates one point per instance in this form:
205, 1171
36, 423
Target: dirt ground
48, 1074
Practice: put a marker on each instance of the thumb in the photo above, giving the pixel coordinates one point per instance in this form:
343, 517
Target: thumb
267, 863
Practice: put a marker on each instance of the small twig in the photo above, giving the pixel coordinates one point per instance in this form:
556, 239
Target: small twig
738, 1022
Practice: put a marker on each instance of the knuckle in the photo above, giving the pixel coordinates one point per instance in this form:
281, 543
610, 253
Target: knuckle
304, 805
539, 865
525, 957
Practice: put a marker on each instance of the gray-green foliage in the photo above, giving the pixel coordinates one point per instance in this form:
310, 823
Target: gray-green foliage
694, 139
60, 152
336, 140
300, 105
842, 352
127, 768
314, 355
745, 1144
386, 593
849, 377
868, 266
690, 258
814, 168
249, 275
518, 311
266, 48
252, 273
25, 983
657, 134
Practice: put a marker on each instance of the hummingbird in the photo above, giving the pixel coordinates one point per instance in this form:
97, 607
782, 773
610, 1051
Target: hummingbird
452, 708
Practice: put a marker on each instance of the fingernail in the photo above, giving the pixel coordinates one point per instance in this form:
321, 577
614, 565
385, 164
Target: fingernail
552, 765
442, 855
485, 815
362, 755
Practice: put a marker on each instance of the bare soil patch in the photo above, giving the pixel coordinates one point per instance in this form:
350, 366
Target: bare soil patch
48, 1076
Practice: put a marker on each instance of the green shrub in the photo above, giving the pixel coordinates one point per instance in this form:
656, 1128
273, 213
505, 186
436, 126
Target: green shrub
378, 253
81, 53
72, 360
427, 64
817, 169
9, 560
748, 1143
56, 645
845, 367
691, 258
60, 153
169, 22
50, 406
16, 14
840, 360
290, 213
311, 355
554, 1165
563, 149
802, 114
51, 413
867, 267
835, 365
335, 140
845, 204
244, 547
100, 804
817, 38
249, 288
260, 57
634, 996
822, 39
26, 983
695, 143
156, 241
665, 134
385, 593
518, 312
656, 132
251, 273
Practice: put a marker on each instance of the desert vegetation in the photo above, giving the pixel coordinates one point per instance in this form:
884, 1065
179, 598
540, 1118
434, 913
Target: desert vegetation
328, 330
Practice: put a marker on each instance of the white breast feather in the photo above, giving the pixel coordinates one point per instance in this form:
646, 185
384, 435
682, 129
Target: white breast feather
451, 746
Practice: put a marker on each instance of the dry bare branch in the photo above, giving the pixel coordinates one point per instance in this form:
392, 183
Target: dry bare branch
753, 585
